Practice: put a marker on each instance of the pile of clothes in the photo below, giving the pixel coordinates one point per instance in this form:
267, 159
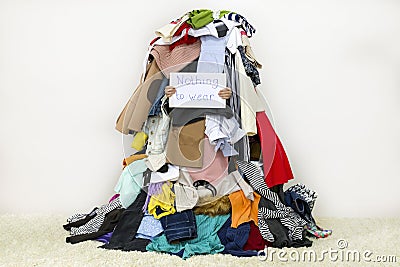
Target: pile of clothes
202, 180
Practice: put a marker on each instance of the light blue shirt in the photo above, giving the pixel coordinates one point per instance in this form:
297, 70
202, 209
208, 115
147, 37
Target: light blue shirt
149, 227
212, 54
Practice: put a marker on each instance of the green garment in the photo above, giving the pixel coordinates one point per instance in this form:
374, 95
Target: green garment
206, 242
201, 17
130, 182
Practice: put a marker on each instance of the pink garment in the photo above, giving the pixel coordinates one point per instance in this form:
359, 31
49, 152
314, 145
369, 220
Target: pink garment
175, 60
113, 197
215, 165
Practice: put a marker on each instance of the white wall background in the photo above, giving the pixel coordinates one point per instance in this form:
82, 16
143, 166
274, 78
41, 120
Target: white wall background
331, 76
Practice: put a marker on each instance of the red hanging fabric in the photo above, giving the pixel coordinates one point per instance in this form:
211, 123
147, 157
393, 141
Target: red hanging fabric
186, 39
276, 164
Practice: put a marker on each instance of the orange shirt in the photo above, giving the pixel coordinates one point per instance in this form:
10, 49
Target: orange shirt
243, 209
132, 158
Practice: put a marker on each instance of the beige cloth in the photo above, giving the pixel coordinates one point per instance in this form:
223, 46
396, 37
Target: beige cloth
136, 110
185, 145
229, 184
167, 31
186, 196
249, 100
249, 52
155, 162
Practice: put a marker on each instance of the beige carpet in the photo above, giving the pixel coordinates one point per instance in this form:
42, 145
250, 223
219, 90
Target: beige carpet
40, 241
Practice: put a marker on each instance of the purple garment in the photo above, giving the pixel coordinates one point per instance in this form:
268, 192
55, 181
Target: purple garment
105, 238
153, 189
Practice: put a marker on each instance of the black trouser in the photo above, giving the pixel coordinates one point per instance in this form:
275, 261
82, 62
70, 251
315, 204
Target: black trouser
124, 233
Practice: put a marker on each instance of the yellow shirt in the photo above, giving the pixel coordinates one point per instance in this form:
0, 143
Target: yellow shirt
164, 200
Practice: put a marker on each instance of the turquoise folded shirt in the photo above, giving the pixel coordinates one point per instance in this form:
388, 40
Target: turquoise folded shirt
130, 182
206, 242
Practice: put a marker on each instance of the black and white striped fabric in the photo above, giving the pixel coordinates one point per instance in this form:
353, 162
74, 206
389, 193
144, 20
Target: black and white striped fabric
243, 146
76, 217
79, 216
250, 30
290, 219
232, 81
94, 224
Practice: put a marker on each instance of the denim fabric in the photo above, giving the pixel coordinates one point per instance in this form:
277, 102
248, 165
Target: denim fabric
179, 226
155, 109
306, 193
299, 205
234, 239
206, 242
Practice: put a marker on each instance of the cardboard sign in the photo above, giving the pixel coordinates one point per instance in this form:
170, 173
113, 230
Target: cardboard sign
197, 90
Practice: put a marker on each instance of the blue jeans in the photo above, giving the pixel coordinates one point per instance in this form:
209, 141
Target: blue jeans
155, 108
179, 226
299, 205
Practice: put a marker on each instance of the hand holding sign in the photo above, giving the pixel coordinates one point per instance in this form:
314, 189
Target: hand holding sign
169, 90
225, 93
202, 90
